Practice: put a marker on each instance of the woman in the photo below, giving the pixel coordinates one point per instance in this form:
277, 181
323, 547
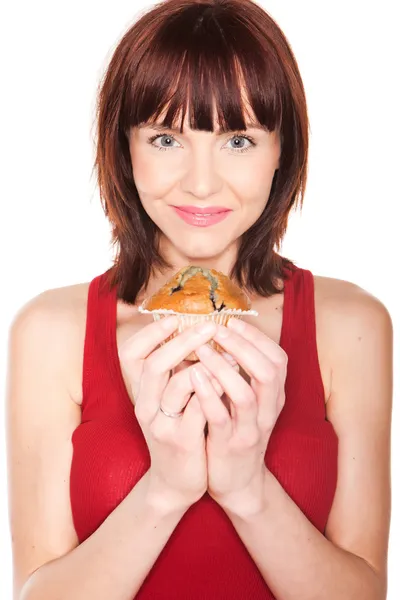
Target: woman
117, 488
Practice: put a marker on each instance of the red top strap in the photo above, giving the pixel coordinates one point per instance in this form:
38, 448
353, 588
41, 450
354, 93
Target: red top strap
300, 343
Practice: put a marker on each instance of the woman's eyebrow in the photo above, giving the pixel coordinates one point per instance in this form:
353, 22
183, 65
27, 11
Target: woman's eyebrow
159, 126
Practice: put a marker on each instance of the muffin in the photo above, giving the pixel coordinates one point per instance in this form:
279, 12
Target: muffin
197, 294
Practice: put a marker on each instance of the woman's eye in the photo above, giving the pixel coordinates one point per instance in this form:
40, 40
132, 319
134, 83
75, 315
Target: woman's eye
169, 139
239, 143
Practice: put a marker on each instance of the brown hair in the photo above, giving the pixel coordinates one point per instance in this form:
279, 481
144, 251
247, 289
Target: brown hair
185, 53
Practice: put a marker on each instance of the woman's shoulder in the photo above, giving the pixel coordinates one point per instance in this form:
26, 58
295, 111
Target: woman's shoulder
342, 302
54, 301
53, 322
350, 321
58, 308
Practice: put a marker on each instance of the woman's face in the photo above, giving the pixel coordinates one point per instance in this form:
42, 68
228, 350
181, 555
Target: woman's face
203, 170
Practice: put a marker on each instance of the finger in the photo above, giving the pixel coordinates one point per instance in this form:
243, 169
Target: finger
177, 397
174, 352
157, 366
177, 391
137, 347
242, 396
216, 414
140, 344
215, 383
265, 344
193, 420
257, 364
266, 375
217, 386
188, 363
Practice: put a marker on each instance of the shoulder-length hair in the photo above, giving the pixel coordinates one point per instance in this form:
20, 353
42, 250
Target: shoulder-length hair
188, 53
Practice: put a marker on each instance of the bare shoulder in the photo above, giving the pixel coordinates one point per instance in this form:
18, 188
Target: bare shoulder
54, 321
351, 322
346, 307
54, 301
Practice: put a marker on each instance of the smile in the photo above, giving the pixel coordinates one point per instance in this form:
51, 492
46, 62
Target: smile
201, 220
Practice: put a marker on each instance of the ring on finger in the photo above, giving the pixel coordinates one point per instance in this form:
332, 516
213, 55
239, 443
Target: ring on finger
172, 415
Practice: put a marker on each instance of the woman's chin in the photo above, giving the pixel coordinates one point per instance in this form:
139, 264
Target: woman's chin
202, 251
192, 246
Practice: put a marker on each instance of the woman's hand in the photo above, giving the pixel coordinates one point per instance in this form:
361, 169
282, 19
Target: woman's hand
237, 442
178, 471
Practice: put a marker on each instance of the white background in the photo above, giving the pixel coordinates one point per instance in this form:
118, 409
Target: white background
53, 232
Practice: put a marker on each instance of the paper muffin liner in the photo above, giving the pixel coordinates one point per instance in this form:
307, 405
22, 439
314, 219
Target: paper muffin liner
187, 320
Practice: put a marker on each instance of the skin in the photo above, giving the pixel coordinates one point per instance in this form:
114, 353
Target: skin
203, 169
354, 339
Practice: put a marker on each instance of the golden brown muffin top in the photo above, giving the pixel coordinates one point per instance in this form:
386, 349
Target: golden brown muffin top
198, 290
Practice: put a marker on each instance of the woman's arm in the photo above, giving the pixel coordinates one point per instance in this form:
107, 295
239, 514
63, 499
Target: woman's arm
41, 417
295, 559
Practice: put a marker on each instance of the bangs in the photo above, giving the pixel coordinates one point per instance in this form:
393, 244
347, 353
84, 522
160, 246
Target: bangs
210, 65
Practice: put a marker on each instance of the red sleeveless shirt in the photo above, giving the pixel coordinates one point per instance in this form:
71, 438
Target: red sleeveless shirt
204, 558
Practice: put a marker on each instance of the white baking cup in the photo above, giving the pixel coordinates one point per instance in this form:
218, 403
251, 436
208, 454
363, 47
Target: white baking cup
186, 320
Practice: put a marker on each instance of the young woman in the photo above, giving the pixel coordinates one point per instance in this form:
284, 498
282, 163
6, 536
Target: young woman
118, 490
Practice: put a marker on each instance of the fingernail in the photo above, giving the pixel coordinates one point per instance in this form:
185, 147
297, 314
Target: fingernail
206, 327
199, 374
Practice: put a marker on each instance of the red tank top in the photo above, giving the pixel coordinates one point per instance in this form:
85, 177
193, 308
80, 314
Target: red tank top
204, 557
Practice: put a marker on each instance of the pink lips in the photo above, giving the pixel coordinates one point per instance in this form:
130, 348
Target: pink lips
209, 215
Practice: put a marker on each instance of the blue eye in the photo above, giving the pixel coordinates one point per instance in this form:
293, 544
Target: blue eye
243, 137
161, 135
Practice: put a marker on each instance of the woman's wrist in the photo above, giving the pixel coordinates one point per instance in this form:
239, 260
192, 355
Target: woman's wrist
163, 502
248, 504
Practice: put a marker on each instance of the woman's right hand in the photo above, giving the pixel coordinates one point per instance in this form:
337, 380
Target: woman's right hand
178, 471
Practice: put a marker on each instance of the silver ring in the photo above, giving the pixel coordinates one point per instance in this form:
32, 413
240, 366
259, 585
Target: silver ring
172, 415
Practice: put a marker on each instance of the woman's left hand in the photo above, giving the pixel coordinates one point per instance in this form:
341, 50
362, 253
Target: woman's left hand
237, 442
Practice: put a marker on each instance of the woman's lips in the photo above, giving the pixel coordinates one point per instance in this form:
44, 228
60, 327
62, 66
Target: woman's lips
201, 220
